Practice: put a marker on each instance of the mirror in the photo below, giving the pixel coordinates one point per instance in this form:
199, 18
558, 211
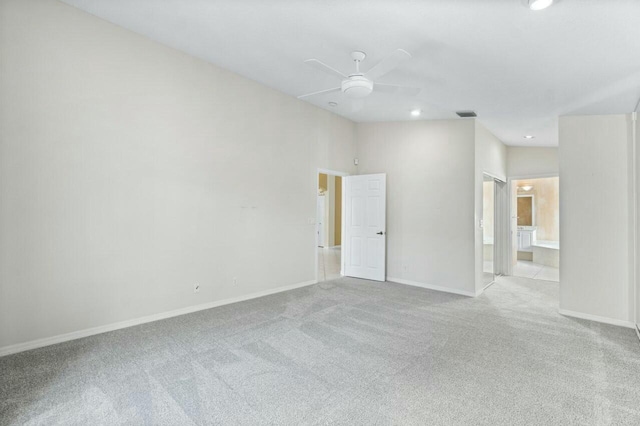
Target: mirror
526, 210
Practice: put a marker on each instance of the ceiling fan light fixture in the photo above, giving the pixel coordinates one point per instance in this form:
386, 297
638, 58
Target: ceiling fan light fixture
539, 4
358, 84
357, 87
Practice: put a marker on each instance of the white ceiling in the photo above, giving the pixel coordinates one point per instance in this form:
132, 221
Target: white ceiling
518, 69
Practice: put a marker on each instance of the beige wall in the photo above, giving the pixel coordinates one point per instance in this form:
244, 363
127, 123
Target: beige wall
430, 198
491, 154
119, 161
532, 161
596, 235
434, 197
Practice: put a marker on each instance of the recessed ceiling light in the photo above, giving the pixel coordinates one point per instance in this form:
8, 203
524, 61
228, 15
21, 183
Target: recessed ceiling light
529, 137
539, 4
332, 104
416, 112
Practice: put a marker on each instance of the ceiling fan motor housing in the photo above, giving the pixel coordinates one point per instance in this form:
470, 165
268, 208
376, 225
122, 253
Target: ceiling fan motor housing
357, 86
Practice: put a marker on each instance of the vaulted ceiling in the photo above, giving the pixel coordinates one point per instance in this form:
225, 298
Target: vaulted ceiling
518, 69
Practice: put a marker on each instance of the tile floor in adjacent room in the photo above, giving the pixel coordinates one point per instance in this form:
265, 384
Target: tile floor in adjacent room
328, 263
528, 269
343, 352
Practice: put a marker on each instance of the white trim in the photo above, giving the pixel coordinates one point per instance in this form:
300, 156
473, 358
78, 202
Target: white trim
332, 172
39, 343
638, 331
596, 318
434, 287
502, 179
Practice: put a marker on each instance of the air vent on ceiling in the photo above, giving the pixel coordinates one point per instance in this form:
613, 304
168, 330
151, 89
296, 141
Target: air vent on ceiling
466, 114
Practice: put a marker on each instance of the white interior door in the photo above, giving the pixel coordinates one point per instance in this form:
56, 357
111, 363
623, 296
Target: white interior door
365, 226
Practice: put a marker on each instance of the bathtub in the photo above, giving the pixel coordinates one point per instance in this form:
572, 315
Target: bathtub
546, 253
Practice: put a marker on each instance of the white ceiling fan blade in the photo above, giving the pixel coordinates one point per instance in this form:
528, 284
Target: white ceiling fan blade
325, 68
320, 92
392, 88
387, 64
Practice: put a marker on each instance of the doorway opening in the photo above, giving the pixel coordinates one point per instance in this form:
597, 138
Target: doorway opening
329, 218
535, 248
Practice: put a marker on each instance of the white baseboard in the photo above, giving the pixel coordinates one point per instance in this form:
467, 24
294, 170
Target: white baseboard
638, 330
596, 318
433, 287
38, 343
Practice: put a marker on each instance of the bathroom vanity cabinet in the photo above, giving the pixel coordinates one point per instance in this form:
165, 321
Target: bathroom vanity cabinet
526, 238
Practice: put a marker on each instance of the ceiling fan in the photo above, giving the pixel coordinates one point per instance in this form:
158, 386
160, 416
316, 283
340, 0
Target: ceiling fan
358, 84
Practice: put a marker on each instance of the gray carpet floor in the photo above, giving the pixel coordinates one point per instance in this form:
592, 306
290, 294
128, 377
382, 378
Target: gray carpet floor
341, 352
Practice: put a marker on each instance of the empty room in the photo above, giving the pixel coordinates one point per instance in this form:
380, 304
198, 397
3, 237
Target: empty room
244, 212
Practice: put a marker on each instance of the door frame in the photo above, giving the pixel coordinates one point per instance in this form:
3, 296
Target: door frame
321, 206
500, 225
333, 173
510, 179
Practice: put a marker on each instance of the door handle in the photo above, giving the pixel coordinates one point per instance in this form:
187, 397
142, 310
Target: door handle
380, 233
